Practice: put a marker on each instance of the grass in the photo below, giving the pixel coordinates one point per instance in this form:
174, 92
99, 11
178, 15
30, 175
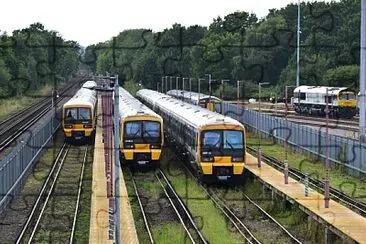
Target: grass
14, 104
208, 218
167, 233
58, 217
154, 189
83, 218
289, 215
40, 171
339, 179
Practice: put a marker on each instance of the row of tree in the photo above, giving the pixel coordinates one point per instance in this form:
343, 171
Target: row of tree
33, 57
242, 47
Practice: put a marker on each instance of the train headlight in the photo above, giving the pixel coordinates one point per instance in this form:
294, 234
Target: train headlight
88, 126
129, 146
208, 159
154, 146
68, 126
237, 159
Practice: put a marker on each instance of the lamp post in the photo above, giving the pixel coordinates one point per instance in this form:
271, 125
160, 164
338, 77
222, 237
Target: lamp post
209, 84
183, 87
162, 84
222, 94
209, 88
157, 86
171, 82
362, 97
176, 84
298, 46
238, 97
326, 180
286, 135
199, 90
166, 84
190, 89
260, 84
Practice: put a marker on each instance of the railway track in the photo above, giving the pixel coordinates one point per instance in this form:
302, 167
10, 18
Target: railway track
52, 214
175, 202
236, 221
142, 209
337, 123
183, 213
20, 122
332, 123
318, 185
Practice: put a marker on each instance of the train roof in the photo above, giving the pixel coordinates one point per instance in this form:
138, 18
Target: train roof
193, 96
130, 106
83, 96
192, 114
322, 89
89, 84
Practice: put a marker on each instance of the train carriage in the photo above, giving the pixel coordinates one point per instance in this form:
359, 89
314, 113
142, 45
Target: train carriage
78, 114
213, 143
141, 131
200, 99
312, 100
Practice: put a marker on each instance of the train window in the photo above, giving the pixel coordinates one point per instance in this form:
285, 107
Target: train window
71, 114
77, 115
233, 139
347, 96
302, 96
151, 129
84, 113
133, 129
212, 139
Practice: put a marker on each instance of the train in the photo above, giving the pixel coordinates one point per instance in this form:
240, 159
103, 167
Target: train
141, 132
200, 99
78, 114
342, 101
214, 144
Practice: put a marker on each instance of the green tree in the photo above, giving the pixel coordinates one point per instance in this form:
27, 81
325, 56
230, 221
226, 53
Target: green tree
347, 75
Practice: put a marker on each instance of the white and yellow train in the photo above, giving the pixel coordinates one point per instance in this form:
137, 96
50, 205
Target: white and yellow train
200, 99
141, 131
78, 114
312, 100
213, 143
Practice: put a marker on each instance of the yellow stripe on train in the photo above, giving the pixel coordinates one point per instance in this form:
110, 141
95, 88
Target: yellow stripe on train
347, 103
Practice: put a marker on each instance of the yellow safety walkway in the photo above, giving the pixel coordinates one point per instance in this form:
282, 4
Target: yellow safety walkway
338, 216
99, 220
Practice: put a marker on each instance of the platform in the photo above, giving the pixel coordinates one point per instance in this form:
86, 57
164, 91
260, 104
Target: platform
339, 218
100, 216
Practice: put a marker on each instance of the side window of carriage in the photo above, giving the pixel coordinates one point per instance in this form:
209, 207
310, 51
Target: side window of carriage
302, 96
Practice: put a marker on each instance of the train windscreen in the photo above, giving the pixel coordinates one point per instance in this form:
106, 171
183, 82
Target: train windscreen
222, 143
347, 96
77, 116
142, 132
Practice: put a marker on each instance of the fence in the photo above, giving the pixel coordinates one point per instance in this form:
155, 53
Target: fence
342, 151
15, 167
